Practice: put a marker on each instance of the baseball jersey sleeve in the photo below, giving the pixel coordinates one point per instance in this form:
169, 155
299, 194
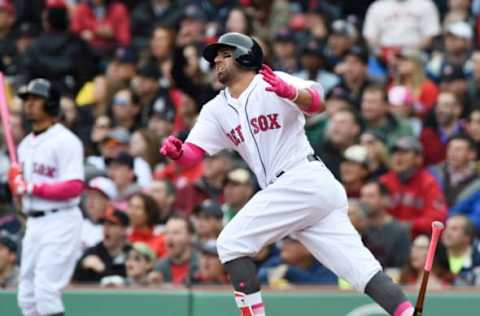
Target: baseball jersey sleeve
207, 132
70, 160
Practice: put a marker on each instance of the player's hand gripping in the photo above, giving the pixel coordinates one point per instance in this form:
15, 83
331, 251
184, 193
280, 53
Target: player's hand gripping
18, 186
277, 85
172, 147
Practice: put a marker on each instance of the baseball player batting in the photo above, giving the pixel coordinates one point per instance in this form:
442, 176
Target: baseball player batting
49, 181
260, 114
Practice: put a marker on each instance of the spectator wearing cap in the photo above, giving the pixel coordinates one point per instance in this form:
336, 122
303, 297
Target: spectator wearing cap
405, 24
117, 142
238, 190
313, 64
181, 264
416, 196
284, 50
376, 116
164, 194
192, 26
58, 55
99, 194
445, 122
9, 272
107, 258
410, 74
208, 220
8, 49
342, 132
353, 72
377, 153
208, 186
296, 265
458, 175
143, 213
139, 265
147, 14
120, 170
342, 37
354, 169
210, 269
387, 238
455, 80
126, 110
153, 97
102, 23
457, 50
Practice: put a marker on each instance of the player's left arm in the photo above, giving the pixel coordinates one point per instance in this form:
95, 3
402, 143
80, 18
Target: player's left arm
69, 180
308, 98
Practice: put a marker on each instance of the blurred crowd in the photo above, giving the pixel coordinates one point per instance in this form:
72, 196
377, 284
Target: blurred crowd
401, 130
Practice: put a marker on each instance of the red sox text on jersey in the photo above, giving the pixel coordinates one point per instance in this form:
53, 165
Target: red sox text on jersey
260, 123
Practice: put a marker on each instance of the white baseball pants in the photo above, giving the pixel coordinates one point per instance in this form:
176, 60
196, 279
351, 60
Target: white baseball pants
309, 204
49, 253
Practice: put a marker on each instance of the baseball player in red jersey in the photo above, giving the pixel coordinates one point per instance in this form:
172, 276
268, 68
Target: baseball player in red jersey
260, 114
49, 182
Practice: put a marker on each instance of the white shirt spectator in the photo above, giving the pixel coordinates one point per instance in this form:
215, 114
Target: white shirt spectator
401, 23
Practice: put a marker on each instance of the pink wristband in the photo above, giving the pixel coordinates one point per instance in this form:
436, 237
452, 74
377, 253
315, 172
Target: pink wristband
191, 155
316, 102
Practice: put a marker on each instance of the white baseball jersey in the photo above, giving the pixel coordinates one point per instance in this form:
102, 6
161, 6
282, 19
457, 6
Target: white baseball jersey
266, 130
52, 156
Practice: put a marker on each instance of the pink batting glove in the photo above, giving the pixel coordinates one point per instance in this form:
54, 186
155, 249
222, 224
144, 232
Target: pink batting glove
172, 147
277, 85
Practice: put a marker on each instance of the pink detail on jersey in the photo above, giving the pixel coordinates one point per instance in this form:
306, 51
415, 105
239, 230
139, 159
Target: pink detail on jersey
191, 155
261, 123
59, 191
44, 170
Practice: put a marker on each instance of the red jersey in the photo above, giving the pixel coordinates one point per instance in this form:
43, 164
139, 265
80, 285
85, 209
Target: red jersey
419, 201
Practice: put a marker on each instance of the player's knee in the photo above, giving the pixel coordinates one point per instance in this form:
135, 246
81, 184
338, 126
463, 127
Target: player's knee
226, 247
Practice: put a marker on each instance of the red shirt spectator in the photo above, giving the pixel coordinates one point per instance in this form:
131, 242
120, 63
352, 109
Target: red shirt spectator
147, 236
416, 196
104, 24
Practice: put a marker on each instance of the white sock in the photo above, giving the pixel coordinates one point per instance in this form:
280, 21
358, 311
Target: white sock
250, 304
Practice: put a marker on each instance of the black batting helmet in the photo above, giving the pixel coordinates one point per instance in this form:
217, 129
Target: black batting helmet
43, 88
247, 51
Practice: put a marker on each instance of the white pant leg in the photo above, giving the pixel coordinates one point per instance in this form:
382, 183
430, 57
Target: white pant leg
336, 244
56, 262
30, 251
300, 197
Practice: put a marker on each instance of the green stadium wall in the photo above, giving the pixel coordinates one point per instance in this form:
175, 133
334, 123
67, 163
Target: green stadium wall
220, 303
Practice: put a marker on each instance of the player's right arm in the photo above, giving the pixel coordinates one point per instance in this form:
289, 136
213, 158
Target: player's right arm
206, 137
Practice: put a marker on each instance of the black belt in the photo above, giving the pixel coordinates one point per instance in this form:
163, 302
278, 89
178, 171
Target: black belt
310, 157
41, 213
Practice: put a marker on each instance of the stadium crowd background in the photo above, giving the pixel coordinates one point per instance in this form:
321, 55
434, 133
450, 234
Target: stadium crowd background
401, 130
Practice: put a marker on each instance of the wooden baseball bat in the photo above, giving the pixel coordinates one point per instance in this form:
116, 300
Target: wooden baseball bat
437, 228
5, 114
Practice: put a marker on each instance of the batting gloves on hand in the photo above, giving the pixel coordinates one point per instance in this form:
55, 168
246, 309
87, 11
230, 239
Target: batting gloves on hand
18, 186
277, 85
172, 147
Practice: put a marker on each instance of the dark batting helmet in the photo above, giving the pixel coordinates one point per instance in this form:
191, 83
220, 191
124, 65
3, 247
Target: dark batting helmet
247, 52
43, 88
